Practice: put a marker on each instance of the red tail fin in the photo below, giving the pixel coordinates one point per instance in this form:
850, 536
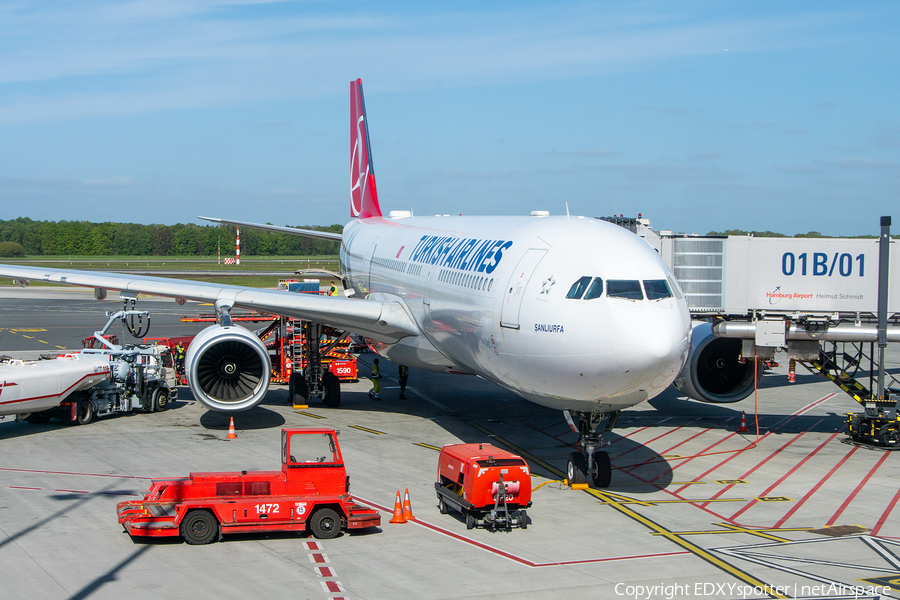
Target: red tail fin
363, 196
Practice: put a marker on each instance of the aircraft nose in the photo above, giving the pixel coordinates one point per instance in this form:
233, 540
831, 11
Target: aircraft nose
657, 341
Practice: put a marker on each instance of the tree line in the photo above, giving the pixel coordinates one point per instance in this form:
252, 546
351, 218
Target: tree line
84, 238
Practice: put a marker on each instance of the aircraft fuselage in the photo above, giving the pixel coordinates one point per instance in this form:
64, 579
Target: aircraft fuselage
490, 297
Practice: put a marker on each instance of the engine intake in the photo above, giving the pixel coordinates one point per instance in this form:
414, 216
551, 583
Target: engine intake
227, 368
714, 372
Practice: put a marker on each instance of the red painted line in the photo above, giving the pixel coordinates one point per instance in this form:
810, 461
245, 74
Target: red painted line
73, 491
71, 473
858, 488
550, 435
632, 468
318, 558
18, 487
735, 455
646, 443
785, 476
704, 451
312, 546
809, 407
885, 514
815, 488
758, 465
325, 572
332, 587
513, 557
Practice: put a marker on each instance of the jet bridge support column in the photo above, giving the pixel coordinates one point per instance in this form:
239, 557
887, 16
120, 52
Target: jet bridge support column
878, 424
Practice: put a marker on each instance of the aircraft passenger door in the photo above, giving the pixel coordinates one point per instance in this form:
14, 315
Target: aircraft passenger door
515, 289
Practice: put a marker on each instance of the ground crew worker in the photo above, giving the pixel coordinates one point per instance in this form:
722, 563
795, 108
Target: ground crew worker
333, 291
179, 358
403, 375
376, 386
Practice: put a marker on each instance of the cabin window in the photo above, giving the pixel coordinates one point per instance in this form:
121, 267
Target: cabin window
624, 288
596, 289
657, 289
577, 289
311, 449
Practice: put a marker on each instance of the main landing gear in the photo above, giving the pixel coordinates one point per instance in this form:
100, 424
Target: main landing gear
589, 460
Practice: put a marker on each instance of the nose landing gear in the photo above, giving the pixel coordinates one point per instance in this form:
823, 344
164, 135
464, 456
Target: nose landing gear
590, 460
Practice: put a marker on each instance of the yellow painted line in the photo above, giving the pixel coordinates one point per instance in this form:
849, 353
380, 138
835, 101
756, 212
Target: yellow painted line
300, 412
63, 347
28, 336
699, 501
43, 342
657, 484
367, 430
27, 330
730, 481
774, 499
763, 532
694, 549
429, 446
671, 456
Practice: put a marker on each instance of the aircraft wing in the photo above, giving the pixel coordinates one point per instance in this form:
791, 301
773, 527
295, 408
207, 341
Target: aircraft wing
311, 233
383, 321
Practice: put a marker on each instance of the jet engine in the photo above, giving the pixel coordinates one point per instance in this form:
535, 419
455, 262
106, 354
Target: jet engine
227, 368
713, 371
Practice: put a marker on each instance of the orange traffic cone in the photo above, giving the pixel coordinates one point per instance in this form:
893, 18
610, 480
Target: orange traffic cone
398, 511
743, 427
792, 369
231, 434
407, 509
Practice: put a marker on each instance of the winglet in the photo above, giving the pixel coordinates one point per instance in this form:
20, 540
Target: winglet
363, 196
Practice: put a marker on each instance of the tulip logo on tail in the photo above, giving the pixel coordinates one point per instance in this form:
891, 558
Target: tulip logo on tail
363, 197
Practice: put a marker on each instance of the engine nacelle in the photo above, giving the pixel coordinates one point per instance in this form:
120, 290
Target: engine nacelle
227, 368
713, 371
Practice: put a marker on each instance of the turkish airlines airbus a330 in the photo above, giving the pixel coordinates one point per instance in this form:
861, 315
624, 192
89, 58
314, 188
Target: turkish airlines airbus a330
569, 312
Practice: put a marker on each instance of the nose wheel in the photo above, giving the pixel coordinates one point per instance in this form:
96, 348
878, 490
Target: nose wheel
589, 462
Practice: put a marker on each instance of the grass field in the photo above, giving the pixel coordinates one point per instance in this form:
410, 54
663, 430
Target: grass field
245, 274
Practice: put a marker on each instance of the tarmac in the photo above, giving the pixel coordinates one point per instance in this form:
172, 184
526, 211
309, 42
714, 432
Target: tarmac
695, 508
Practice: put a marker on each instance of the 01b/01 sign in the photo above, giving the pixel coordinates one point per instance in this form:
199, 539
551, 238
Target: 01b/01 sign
805, 274
843, 261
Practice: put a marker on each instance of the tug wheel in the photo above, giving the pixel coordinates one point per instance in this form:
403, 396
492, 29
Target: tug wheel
325, 524
199, 527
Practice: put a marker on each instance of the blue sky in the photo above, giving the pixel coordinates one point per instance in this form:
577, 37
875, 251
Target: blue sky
699, 115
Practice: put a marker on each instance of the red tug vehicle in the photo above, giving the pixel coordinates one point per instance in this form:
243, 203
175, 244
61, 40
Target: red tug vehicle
311, 492
485, 484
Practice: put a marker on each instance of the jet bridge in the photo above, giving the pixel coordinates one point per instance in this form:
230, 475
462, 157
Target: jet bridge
829, 304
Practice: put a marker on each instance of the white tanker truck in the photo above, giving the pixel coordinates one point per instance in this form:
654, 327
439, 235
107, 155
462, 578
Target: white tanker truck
81, 386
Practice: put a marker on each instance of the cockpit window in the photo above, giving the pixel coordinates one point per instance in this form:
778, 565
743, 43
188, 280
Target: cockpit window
675, 288
624, 288
577, 289
657, 289
596, 289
